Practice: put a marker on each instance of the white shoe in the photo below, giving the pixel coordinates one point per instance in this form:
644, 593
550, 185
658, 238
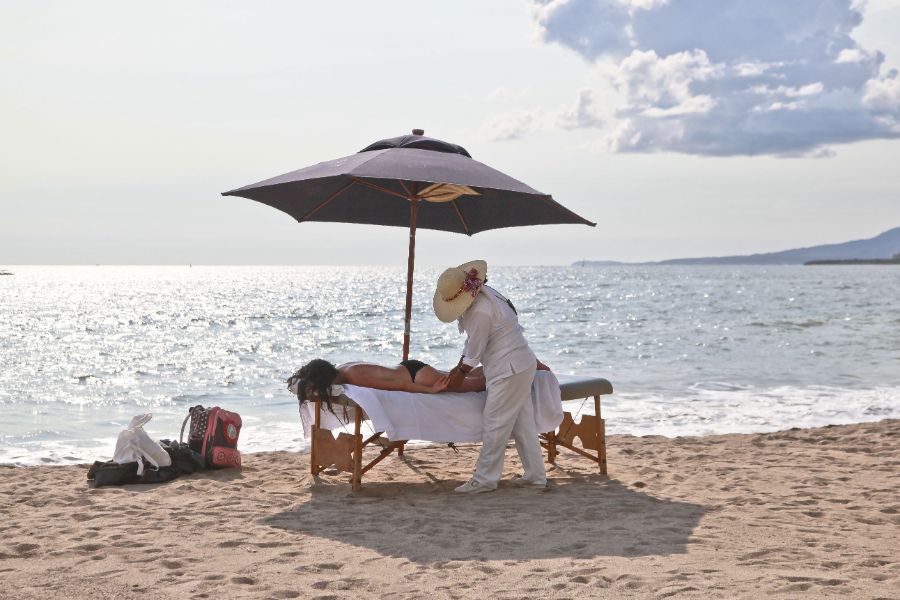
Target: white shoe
520, 481
473, 487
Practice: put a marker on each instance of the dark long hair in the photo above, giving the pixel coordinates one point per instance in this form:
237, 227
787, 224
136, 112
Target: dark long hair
314, 380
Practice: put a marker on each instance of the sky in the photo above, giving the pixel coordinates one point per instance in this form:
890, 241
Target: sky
682, 127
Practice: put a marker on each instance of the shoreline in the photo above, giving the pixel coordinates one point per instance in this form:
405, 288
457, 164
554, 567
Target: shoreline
427, 444
803, 512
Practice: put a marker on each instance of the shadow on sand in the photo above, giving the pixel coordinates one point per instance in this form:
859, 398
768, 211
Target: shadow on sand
579, 516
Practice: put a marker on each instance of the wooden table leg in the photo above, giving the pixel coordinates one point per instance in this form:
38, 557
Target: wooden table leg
313, 463
356, 478
601, 436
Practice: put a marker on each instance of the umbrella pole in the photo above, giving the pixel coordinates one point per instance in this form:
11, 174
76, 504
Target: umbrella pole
413, 210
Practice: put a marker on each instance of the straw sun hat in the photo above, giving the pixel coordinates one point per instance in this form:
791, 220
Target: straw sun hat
457, 288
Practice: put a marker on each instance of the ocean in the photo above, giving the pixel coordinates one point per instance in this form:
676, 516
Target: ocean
690, 350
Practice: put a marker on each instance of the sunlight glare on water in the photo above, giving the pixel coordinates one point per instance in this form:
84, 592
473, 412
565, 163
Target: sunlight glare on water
689, 350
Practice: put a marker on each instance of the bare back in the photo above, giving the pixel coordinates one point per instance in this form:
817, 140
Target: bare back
374, 376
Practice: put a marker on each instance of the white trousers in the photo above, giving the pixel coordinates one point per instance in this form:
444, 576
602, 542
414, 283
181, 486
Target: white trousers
508, 410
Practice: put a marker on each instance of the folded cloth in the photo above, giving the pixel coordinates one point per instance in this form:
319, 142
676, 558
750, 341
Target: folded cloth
444, 417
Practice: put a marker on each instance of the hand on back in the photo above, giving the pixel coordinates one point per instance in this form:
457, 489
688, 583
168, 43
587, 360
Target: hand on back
440, 384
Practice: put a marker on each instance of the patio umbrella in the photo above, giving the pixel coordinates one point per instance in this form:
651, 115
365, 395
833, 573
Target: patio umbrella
410, 181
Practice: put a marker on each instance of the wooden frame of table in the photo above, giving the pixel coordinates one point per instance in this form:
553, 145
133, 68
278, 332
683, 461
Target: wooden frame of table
590, 429
345, 452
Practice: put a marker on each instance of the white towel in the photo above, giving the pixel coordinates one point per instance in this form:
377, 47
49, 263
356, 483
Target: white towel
444, 417
134, 445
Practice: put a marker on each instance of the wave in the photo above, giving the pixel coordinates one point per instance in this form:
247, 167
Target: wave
707, 408
747, 410
719, 386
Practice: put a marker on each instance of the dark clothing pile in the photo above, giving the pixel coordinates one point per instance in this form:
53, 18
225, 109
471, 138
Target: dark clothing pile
184, 461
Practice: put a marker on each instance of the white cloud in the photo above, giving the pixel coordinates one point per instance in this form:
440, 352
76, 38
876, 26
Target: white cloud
584, 114
692, 105
807, 90
790, 92
731, 77
796, 105
883, 95
851, 55
754, 69
650, 79
875, 6
505, 94
513, 125
644, 4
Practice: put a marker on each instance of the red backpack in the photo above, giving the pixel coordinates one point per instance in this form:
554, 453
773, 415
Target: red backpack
214, 434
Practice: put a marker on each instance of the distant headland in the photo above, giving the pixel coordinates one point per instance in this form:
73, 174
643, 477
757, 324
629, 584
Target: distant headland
894, 260
883, 249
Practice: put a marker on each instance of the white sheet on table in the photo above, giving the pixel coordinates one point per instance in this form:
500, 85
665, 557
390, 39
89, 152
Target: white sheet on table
444, 417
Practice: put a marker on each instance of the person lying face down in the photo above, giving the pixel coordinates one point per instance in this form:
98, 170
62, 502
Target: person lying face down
317, 376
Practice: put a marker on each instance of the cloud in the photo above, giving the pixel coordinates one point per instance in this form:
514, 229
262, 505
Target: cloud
875, 6
730, 77
592, 28
505, 94
514, 125
584, 114
883, 95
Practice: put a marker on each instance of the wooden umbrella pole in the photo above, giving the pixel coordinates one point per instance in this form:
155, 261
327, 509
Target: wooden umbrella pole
413, 211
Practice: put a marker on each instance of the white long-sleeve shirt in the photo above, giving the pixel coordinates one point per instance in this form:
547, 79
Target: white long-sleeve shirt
495, 338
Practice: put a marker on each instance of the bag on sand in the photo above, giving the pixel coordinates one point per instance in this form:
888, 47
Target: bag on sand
112, 473
214, 434
134, 445
184, 459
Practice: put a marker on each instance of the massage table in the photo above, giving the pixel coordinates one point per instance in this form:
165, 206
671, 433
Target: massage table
397, 417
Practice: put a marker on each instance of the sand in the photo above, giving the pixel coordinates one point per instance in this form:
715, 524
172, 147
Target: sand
802, 513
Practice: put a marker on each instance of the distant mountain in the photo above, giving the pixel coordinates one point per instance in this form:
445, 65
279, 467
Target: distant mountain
599, 263
882, 246
894, 260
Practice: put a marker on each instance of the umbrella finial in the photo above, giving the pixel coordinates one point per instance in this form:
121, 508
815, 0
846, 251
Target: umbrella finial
418, 132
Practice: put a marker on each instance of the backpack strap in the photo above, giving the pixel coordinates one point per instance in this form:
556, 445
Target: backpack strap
212, 415
500, 296
181, 435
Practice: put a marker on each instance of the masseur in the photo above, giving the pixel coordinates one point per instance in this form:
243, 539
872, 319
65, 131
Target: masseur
495, 341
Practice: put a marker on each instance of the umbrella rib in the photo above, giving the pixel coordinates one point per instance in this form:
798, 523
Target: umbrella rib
405, 189
461, 218
325, 203
379, 188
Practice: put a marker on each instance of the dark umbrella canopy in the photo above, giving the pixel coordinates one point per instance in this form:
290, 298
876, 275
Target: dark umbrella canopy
409, 181
375, 187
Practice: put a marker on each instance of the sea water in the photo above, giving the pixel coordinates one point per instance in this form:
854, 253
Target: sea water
689, 350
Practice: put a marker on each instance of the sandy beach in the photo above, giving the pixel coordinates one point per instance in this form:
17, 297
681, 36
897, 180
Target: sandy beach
800, 513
